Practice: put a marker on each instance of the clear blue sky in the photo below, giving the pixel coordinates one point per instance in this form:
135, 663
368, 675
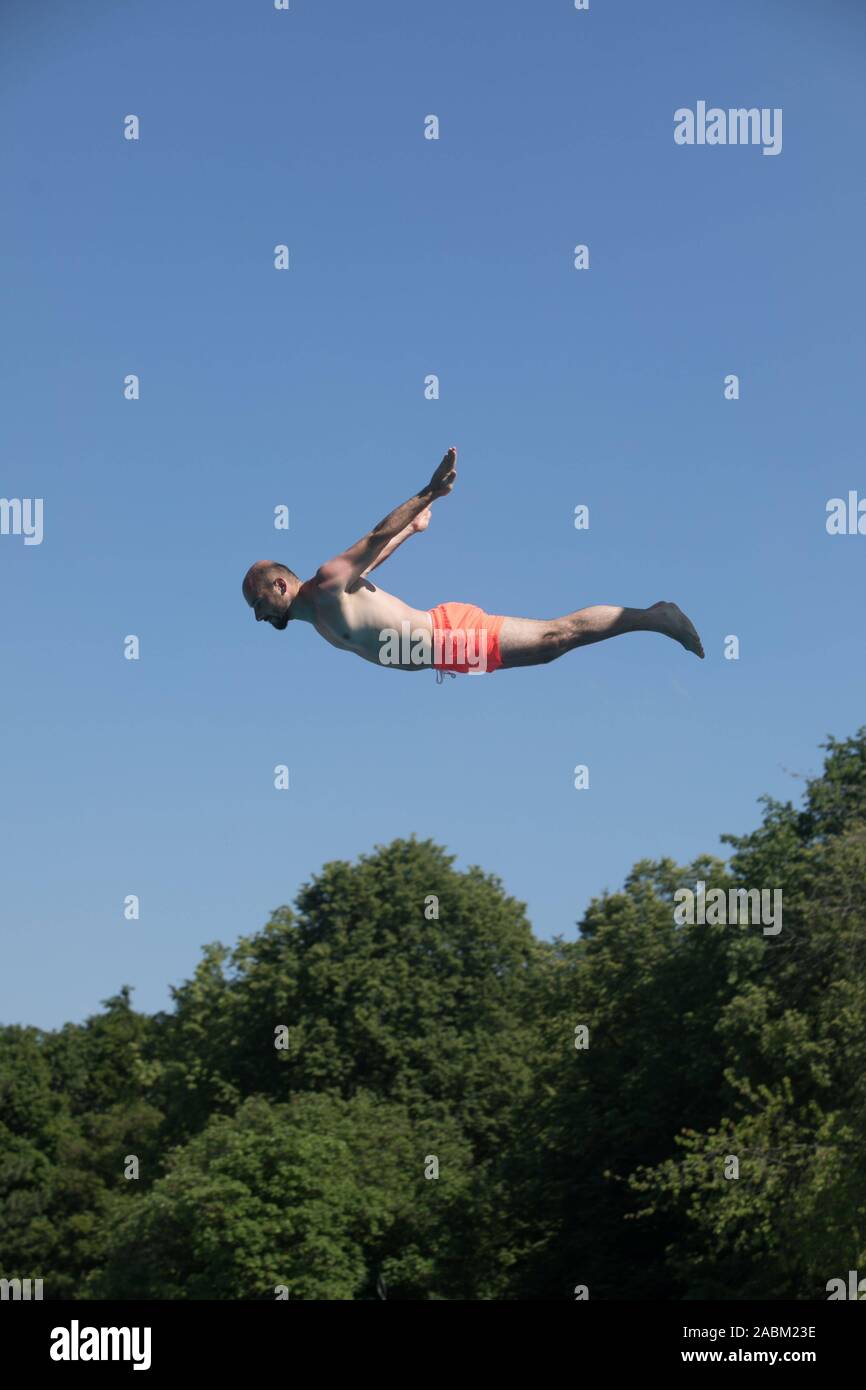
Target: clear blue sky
559, 387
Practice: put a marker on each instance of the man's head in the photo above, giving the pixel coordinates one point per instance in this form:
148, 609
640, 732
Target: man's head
270, 590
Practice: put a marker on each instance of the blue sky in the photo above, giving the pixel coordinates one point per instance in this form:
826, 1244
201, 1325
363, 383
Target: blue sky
559, 387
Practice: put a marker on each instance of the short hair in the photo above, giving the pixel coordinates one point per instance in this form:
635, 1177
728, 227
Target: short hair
264, 569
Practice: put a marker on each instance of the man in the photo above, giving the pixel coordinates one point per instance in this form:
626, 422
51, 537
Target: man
357, 616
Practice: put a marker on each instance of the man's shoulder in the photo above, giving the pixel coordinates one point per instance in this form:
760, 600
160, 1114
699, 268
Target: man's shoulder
328, 592
333, 576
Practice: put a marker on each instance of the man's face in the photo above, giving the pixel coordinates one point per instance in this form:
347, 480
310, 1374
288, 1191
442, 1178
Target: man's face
271, 603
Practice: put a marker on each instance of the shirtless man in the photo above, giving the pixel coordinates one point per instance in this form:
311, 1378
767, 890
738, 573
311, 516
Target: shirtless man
357, 616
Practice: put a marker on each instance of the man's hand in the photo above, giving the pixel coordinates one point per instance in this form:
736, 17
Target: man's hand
445, 476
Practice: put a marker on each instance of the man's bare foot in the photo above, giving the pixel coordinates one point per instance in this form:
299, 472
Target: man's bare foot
673, 622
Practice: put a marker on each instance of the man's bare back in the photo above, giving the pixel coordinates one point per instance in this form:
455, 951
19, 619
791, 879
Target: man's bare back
354, 614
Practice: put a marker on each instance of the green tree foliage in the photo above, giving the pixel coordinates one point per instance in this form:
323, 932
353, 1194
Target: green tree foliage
428, 1032
308, 1195
376, 995
69, 1113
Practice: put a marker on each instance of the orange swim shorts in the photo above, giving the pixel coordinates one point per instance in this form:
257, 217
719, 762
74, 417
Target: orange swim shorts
465, 639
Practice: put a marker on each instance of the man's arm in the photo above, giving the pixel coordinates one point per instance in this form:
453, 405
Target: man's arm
421, 522
396, 527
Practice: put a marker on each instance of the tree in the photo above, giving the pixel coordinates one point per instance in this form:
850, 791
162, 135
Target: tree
324, 1197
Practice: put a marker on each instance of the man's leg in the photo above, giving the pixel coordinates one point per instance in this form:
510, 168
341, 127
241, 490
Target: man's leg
528, 642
